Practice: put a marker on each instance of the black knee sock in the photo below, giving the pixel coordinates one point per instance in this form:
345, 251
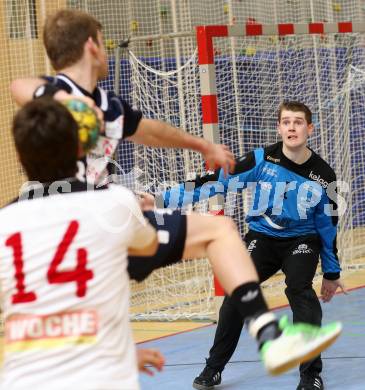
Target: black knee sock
249, 300
251, 304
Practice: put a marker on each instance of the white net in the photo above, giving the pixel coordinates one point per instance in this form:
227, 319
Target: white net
163, 91
354, 93
253, 75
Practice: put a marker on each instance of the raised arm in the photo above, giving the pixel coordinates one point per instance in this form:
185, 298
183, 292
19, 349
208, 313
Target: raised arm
149, 132
22, 90
155, 133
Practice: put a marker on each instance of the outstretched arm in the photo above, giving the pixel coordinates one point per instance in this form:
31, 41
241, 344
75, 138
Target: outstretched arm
193, 191
204, 187
149, 132
154, 133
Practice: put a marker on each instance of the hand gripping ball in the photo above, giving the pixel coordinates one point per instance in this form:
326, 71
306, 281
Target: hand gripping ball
88, 122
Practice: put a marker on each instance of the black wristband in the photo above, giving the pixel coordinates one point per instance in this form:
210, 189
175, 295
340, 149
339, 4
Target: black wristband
46, 90
331, 275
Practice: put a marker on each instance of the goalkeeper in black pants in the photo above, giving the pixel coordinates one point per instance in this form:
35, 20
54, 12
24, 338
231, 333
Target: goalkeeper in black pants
292, 222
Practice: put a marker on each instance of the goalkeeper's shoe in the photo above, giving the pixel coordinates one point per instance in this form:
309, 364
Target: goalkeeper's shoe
298, 343
207, 379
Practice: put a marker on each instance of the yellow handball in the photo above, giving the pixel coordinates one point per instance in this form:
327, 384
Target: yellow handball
88, 122
83, 135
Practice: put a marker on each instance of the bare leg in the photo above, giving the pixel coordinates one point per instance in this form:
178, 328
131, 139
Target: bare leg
217, 238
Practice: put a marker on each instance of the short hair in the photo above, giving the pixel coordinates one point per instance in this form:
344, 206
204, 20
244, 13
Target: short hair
65, 33
46, 139
295, 106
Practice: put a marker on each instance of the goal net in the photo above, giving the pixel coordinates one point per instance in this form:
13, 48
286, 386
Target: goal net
251, 76
169, 90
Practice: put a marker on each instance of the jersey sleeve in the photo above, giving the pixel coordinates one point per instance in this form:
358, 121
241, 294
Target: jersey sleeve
132, 117
58, 83
326, 220
204, 187
142, 233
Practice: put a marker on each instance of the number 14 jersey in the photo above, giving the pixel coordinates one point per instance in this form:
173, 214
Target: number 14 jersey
65, 289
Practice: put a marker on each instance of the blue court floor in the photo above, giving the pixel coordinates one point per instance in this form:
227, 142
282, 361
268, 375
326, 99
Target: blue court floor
344, 362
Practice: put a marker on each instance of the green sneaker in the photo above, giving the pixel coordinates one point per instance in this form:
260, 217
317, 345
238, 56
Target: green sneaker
298, 343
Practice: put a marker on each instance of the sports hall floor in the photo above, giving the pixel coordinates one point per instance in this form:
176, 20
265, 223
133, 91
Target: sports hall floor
186, 344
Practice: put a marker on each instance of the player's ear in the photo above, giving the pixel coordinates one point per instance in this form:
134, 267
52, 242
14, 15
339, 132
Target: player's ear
91, 45
310, 129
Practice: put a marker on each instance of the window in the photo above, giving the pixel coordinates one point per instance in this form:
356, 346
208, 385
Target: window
22, 19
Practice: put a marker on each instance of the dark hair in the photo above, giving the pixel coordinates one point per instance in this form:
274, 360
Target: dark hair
295, 107
46, 139
65, 33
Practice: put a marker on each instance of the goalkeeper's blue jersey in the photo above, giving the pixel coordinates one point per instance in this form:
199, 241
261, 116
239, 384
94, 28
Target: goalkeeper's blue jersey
289, 199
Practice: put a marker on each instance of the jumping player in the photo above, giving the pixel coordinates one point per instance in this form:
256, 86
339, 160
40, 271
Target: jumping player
64, 284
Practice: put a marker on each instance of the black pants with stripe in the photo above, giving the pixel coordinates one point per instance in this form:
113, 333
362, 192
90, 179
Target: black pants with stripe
298, 258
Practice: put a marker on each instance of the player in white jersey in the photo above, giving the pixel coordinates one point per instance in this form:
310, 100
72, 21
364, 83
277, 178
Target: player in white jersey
75, 46
65, 288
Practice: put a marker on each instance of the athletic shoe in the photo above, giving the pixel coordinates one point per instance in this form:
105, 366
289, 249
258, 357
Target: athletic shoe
310, 382
207, 379
298, 343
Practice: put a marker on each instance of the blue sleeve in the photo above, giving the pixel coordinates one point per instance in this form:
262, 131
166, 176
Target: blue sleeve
204, 187
326, 224
193, 191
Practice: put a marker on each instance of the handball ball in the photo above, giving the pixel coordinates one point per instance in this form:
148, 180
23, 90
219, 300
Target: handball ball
88, 122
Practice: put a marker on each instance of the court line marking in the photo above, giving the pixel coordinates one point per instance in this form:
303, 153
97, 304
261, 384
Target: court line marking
213, 323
